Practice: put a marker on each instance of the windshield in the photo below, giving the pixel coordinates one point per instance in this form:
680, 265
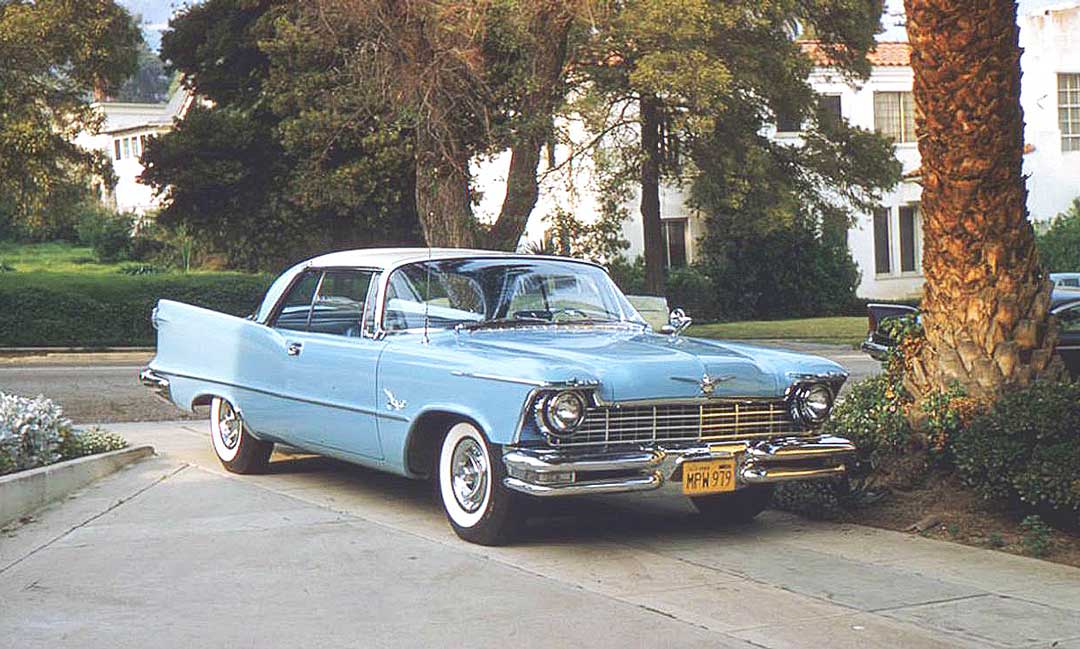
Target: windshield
474, 293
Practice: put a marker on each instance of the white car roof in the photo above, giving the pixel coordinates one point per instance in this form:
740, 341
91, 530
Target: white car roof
390, 257
383, 259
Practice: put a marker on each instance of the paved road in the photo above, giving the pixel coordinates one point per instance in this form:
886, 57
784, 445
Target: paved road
92, 388
173, 552
103, 388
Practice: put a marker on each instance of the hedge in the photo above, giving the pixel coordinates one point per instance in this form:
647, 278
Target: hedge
101, 310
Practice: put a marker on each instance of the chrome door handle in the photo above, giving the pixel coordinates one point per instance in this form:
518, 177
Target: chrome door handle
294, 349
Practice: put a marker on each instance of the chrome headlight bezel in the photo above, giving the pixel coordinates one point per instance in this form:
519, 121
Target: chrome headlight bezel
546, 411
812, 403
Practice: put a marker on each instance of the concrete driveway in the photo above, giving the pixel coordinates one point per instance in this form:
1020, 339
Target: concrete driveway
173, 552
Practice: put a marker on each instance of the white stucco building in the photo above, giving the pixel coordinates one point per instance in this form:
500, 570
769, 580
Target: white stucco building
123, 136
886, 244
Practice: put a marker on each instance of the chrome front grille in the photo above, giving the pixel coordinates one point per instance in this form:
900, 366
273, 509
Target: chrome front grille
683, 422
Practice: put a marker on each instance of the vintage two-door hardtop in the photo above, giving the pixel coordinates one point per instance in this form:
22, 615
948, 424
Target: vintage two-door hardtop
500, 377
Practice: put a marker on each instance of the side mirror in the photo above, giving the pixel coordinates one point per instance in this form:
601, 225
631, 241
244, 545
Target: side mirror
678, 321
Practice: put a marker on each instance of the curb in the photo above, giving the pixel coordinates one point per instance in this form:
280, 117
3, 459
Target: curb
26, 491
33, 351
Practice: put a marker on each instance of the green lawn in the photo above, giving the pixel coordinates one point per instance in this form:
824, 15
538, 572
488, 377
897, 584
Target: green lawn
52, 257
840, 330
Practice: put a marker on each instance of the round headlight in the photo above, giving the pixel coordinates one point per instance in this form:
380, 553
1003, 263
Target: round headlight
562, 412
812, 403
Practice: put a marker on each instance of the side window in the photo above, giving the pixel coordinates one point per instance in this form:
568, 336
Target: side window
1070, 319
296, 308
339, 305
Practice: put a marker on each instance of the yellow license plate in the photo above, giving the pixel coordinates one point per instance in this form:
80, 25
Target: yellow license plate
708, 477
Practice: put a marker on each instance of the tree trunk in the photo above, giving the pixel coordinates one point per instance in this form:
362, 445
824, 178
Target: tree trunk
550, 30
985, 300
442, 196
650, 195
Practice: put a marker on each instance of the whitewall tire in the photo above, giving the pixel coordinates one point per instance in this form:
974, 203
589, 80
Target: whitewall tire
470, 484
237, 450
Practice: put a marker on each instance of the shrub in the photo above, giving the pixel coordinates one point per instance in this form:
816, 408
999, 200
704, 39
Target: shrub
40, 309
4, 268
1059, 246
872, 415
31, 432
692, 290
80, 442
1027, 447
107, 232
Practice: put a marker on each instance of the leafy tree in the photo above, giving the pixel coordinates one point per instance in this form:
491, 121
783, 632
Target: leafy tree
54, 53
150, 83
265, 173
693, 72
463, 78
1059, 246
986, 299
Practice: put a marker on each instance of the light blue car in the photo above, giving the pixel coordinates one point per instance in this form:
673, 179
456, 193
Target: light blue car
502, 377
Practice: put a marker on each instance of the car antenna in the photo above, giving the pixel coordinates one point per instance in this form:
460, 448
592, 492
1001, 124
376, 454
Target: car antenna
427, 292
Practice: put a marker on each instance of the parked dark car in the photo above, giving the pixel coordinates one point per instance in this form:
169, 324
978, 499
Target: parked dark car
1064, 303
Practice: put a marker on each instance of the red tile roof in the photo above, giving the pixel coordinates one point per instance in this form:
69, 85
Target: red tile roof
884, 54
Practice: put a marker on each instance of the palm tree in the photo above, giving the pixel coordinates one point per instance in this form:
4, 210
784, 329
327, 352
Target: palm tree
986, 298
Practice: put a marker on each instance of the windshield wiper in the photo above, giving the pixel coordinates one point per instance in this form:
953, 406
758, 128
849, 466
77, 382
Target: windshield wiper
499, 322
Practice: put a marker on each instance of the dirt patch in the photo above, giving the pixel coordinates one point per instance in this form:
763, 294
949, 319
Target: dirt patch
942, 508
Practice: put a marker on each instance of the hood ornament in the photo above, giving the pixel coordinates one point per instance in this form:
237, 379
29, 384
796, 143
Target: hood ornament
707, 384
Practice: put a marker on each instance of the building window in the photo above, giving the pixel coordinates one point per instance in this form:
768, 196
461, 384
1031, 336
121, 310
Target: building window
882, 263
135, 147
1069, 111
116, 146
909, 232
894, 115
675, 242
830, 107
787, 123
127, 148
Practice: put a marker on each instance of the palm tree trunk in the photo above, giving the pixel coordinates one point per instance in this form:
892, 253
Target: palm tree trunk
985, 302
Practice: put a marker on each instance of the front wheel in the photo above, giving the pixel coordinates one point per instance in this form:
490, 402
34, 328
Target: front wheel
470, 480
237, 450
740, 506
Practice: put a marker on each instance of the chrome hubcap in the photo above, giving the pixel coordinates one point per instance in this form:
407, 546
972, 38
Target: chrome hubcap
229, 425
469, 474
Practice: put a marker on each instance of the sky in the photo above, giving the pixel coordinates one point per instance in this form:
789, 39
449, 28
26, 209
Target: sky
156, 13
893, 19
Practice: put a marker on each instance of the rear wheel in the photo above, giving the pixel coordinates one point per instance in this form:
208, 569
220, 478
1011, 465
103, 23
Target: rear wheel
237, 450
740, 506
470, 481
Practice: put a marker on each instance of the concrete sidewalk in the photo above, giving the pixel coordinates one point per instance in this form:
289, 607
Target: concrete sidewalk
176, 553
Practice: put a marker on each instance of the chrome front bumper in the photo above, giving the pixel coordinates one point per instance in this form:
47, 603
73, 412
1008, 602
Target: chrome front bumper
556, 472
156, 383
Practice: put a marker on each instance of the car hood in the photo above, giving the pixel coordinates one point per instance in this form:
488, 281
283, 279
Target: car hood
631, 364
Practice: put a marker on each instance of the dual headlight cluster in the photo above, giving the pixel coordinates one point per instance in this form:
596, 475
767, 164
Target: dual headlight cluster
560, 413
811, 403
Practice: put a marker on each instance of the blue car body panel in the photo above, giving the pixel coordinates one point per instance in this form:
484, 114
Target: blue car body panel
359, 398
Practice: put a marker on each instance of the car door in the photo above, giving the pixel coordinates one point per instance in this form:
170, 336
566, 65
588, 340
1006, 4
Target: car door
1068, 346
329, 363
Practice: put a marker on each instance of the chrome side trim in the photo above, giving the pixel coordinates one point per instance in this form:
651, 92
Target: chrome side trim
269, 393
571, 383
